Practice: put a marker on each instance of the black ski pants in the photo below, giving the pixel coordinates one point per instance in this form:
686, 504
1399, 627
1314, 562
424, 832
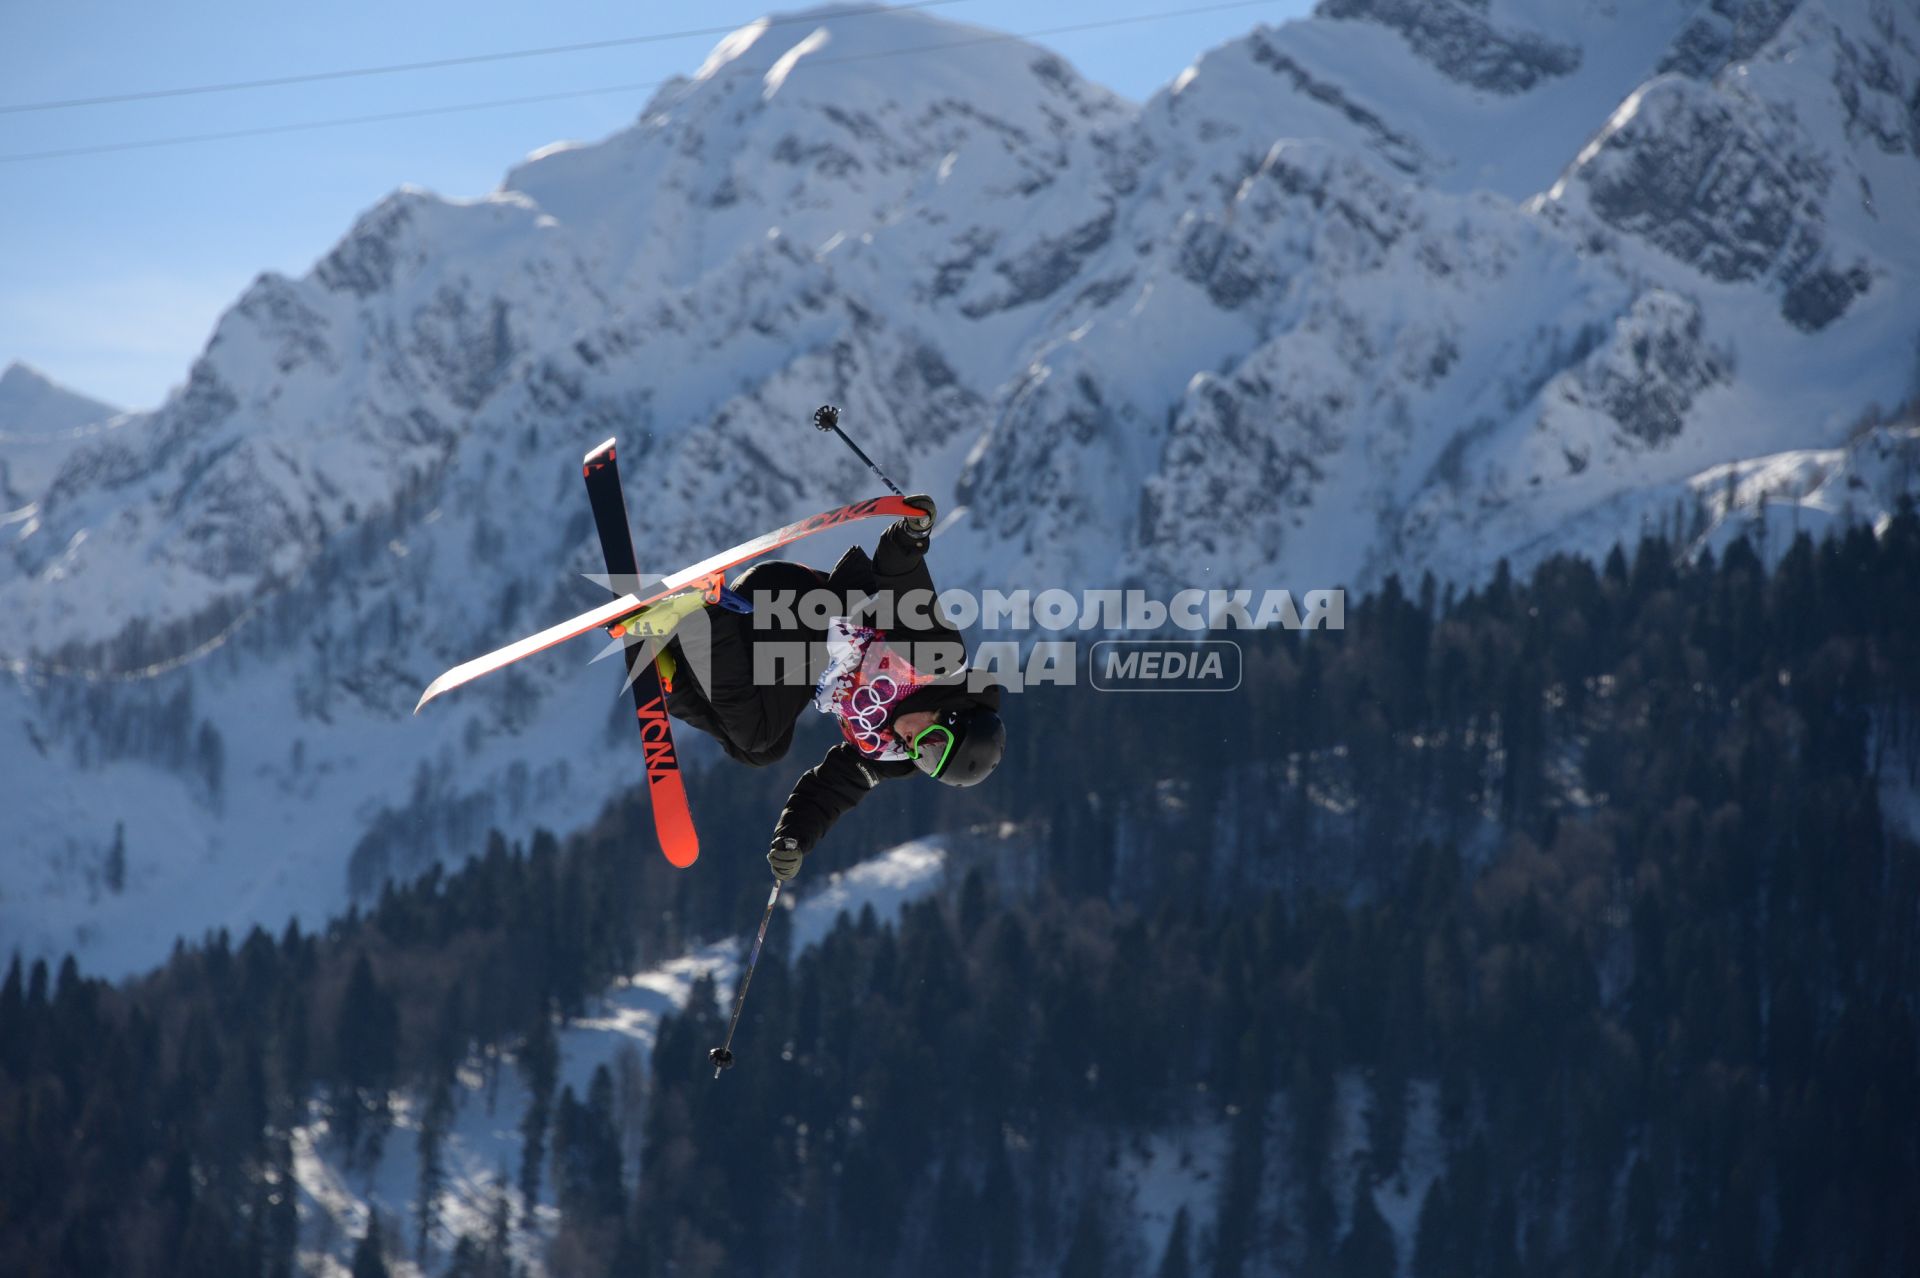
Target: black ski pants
714, 688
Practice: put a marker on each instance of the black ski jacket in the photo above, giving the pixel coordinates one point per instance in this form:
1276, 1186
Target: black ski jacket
755, 724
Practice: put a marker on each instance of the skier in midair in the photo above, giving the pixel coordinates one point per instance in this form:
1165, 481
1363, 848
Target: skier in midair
900, 696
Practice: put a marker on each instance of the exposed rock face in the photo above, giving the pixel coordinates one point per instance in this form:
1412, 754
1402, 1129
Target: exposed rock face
1778, 169
1647, 377
1458, 38
1688, 173
1725, 31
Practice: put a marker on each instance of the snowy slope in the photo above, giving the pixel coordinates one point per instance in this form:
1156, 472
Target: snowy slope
1768, 500
1400, 287
1460, 96
1819, 492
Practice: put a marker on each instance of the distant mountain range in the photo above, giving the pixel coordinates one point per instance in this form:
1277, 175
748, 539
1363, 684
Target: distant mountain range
1403, 287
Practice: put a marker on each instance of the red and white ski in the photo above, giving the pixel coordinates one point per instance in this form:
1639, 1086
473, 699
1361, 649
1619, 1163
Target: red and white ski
626, 605
666, 792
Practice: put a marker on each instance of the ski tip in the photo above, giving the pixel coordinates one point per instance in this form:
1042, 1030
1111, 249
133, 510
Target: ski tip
681, 847
434, 689
673, 822
606, 448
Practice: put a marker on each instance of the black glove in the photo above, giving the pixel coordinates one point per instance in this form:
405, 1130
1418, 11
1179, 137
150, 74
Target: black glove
918, 526
785, 857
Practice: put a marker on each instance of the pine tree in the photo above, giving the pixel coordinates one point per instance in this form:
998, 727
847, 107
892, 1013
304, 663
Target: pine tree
283, 1210
368, 1030
605, 1169
467, 1259
114, 873
1000, 1203
13, 1020
369, 1259
1240, 1194
367, 1036
1367, 1250
1435, 1250
1176, 1261
540, 1062
499, 1251
1087, 1250
432, 1180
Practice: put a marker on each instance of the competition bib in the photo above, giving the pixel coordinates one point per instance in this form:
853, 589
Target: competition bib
863, 684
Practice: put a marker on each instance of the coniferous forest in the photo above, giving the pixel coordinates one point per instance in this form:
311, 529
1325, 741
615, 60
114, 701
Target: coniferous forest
1609, 876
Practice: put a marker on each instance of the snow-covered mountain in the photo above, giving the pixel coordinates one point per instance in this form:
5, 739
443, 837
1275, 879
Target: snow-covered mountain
41, 422
1403, 286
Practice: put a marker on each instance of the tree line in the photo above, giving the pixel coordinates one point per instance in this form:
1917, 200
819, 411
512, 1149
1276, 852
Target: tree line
1597, 856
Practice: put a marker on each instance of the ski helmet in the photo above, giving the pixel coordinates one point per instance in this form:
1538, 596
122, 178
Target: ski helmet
962, 746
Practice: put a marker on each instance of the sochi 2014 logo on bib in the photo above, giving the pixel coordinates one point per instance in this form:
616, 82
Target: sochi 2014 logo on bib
864, 682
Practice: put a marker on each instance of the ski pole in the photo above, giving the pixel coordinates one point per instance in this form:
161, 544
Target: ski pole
722, 1057
827, 417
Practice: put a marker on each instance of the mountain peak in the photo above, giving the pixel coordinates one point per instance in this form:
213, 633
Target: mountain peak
19, 374
851, 31
31, 403
814, 123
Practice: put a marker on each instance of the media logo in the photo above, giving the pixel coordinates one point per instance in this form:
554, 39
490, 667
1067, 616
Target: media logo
1165, 665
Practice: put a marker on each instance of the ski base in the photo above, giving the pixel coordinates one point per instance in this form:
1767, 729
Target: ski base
666, 791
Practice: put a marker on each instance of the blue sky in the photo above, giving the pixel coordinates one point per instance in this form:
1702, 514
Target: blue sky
114, 267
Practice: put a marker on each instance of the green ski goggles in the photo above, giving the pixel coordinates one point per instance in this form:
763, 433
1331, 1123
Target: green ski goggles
932, 757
